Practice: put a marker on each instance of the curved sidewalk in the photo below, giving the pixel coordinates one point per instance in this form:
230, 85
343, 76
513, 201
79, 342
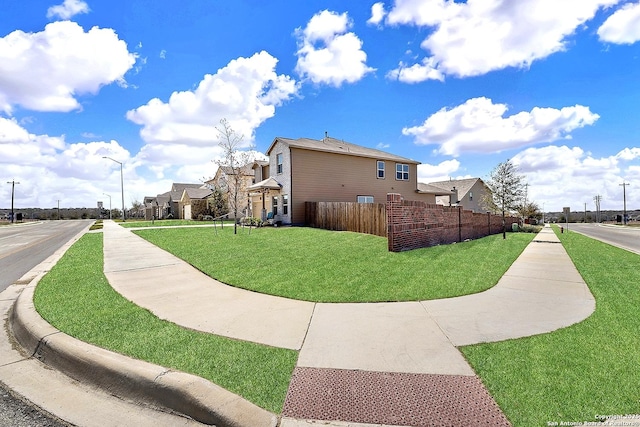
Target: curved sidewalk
377, 344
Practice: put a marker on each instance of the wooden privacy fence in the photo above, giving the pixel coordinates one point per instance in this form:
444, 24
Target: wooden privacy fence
406, 224
369, 218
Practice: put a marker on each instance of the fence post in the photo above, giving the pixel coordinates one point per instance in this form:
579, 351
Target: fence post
489, 222
459, 223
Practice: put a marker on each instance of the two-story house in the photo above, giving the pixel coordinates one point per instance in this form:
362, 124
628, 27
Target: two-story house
329, 170
234, 182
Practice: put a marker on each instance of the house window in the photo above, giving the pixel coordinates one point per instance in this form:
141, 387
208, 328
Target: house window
470, 195
402, 172
274, 205
365, 199
285, 205
380, 167
279, 163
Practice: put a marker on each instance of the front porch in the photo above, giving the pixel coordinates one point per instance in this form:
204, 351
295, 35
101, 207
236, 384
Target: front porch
264, 196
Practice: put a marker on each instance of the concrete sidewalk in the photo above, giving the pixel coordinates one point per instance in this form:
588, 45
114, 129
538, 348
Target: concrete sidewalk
368, 364
541, 292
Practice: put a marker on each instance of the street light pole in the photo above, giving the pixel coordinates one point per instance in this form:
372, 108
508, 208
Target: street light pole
109, 204
624, 201
13, 190
121, 183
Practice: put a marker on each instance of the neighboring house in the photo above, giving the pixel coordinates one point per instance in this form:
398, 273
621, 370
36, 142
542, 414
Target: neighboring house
157, 207
193, 202
166, 205
175, 195
468, 193
224, 180
329, 170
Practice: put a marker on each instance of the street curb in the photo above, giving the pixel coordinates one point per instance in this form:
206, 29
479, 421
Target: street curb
130, 378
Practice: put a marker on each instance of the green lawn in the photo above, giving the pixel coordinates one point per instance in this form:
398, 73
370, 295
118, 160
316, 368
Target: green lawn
574, 374
132, 223
569, 376
327, 266
76, 298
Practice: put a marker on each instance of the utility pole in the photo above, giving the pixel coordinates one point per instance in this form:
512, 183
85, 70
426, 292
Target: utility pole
58, 210
597, 200
585, 212
13, 190
624, 201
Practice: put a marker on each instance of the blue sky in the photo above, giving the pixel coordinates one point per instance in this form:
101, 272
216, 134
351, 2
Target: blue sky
460, 86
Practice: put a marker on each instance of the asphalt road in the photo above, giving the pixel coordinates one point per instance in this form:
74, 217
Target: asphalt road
624, 237
22, 247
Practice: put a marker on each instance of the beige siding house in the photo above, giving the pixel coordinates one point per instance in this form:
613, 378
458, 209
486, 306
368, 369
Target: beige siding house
225, 180
330, 170
468, 193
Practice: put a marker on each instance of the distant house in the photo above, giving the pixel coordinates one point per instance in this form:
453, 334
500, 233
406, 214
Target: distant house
157, 207
193, 202
329, 170
225, 181
468, 193
167, 205
175, 195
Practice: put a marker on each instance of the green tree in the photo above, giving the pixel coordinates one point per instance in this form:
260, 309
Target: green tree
529, 210
217, 203
507, 191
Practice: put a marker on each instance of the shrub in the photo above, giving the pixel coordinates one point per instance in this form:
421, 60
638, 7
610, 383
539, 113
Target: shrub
529, 228
251, 221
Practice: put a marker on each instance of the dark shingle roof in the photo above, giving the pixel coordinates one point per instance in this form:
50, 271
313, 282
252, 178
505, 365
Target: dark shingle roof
198, 193
332, 145
462, 185
432, 189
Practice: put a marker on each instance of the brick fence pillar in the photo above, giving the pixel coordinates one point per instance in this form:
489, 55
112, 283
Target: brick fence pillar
394, 219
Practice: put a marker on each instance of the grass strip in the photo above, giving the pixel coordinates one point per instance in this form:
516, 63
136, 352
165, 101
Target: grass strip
132, 223
327, 266
76, 298
574, 374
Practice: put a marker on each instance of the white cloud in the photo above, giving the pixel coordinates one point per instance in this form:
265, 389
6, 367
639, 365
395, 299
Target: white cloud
481, 36
246, 92
629, 154
50, 169
479, 125
560, 175
440, 172
68, 9
416, 73
327, 53
46, 71
377, 14
623, 26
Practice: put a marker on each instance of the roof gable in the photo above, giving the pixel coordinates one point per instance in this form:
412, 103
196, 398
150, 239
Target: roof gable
198, 193
463, 186
179, 187
332, 145
432, 189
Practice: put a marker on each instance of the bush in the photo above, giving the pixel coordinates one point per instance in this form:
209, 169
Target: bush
251, 221
529, 228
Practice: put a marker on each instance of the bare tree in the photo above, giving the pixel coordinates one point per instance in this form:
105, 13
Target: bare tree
234, 164
507, 190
